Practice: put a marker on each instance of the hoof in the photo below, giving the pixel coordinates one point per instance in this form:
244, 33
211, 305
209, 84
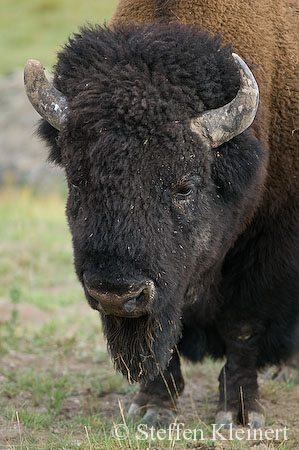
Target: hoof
279, 374
226, 419
153, 416
256, 420
158, 417
135, 412
284, 373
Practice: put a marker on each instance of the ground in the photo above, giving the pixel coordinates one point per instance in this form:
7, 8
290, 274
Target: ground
58, 388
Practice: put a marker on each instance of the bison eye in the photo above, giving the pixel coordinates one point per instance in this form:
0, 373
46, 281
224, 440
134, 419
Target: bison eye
183, 190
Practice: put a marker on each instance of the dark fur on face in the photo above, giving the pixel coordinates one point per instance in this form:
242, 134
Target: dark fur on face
127, 148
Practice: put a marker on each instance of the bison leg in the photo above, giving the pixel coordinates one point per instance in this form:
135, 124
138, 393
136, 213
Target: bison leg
156, 401
238, 384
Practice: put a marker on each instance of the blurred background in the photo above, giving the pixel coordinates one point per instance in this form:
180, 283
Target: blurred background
33, 29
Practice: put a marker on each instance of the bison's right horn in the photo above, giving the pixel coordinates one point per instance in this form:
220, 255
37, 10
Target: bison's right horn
222, 124
50, 103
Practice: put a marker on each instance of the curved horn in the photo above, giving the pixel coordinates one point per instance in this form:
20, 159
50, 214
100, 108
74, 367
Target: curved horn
50, 103
222, 124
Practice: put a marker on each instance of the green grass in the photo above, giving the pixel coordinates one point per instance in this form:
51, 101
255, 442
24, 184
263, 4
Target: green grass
46, 388
35, 250
30, 418
37, 28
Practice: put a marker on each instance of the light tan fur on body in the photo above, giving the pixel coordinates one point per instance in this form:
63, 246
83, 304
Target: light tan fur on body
266, 34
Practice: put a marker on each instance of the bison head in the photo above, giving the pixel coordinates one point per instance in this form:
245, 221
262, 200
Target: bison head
149, 124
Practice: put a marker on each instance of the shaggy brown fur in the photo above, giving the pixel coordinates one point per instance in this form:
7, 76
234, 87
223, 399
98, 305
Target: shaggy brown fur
266, 34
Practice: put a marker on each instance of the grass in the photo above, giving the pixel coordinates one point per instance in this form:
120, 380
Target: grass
37, 28
46, 388
32, 258
58, 388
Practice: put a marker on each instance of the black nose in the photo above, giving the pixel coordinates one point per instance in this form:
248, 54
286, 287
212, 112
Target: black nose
124, 300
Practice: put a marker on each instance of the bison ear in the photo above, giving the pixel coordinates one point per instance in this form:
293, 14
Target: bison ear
50, 135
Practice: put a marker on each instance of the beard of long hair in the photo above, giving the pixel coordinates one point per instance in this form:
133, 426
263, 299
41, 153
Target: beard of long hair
142, 348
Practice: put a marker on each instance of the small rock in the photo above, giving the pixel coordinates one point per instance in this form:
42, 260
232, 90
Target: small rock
3, 379
260, 447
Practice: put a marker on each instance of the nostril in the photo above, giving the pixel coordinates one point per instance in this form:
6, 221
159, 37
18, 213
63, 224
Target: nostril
130, 305
136, 302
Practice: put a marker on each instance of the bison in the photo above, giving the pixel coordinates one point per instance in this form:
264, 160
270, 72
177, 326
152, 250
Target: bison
184, 218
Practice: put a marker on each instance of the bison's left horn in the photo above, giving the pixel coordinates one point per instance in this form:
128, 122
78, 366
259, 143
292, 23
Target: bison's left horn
222, 124
50, 103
